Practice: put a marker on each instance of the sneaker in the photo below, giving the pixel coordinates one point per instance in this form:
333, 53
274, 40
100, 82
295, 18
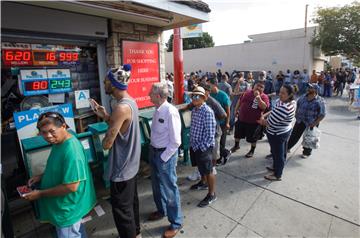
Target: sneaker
304, 156
207, 200
226, 159
219, 161
249, 154
269, 156
194, 176
199, 186
234, 148
214, 172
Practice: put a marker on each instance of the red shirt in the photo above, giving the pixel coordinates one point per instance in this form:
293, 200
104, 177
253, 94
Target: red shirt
249, 111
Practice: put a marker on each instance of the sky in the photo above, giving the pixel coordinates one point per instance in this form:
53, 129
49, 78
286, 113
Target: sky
232, 21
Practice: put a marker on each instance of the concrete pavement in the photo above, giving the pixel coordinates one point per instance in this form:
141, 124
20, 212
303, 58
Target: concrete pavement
318, 196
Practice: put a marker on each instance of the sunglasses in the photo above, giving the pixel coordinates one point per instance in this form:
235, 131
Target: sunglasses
53, 115
195, 97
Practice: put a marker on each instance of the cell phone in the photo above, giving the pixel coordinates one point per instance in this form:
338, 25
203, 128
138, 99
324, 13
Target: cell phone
23, 190
92, 104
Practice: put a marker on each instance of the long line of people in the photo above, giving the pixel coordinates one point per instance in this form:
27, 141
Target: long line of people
246, 105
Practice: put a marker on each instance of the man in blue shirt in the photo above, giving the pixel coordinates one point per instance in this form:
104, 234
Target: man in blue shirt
225, 102
202, 141
310, 110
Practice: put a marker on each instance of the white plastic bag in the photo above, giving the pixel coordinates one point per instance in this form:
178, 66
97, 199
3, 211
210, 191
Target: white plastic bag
311, 138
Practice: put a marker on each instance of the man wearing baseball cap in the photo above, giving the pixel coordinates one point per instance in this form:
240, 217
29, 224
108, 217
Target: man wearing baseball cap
310, 110
202, 141
122, 139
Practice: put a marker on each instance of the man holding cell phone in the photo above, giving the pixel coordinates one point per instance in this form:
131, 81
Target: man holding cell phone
66, 193
123, 140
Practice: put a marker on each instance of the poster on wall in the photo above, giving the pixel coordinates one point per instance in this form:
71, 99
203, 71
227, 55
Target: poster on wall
144, 60
25, 121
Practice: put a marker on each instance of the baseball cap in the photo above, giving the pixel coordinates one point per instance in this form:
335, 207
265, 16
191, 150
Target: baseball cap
314, 86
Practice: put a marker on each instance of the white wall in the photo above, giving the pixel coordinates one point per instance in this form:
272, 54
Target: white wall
275, 52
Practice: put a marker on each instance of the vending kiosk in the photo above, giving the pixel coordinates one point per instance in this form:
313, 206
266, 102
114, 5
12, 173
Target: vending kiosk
36, 152
185, 116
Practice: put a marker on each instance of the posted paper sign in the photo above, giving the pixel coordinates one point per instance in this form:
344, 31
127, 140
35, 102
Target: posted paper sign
82, 99
144, 60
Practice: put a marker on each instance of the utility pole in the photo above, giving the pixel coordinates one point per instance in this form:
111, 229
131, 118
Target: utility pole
178, 67
305, 35
306, 12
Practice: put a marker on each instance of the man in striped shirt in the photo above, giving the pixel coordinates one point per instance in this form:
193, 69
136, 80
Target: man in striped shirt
202, 141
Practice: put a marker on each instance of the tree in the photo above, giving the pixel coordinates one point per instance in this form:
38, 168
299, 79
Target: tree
193, 43
339, 31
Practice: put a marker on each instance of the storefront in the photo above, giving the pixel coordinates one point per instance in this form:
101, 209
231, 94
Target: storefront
56, 53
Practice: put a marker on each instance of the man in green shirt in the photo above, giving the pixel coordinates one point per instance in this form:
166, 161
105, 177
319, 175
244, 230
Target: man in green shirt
66, 191
225, 102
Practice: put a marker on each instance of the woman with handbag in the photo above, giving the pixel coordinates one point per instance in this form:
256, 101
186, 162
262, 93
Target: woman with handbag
278, 128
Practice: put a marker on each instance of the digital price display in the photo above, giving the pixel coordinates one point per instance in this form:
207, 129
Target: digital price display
36, 85
44, 57
59, 80
63, 84
68, 57
34, 82
41, 81
14, 57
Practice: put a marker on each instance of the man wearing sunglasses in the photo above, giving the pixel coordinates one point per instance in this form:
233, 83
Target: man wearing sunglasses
202, 141
123, 140
66, 191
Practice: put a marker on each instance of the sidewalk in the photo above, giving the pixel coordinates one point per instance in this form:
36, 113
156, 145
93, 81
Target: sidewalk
318, 196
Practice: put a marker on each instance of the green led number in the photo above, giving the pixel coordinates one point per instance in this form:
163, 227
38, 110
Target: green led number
53, 84
67, 83
58, 84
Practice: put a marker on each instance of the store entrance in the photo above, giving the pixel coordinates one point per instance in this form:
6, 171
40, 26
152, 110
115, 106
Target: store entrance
35, 76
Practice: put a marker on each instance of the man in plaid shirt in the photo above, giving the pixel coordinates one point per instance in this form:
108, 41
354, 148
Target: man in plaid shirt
202, 141
310, 111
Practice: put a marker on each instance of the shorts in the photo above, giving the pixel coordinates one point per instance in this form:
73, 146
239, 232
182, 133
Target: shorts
245, 130
203, 160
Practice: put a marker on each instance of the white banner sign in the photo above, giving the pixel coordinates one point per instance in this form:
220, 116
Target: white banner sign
194, 30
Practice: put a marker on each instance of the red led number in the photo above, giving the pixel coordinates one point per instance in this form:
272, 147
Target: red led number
50, 56
40, 85
17, 55
69, 56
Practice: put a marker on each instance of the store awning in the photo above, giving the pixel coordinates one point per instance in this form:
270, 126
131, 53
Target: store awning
163, 14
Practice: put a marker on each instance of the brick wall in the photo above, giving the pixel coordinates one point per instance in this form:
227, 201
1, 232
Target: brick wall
121, 30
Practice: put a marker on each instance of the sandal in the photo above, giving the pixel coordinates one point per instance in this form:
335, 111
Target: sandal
272, 177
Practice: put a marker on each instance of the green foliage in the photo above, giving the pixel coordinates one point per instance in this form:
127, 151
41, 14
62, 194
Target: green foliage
339, 31
193, 43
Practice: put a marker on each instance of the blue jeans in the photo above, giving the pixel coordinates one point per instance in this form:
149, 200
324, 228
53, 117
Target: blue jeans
278, 145
327, 90
76, 230
165, 190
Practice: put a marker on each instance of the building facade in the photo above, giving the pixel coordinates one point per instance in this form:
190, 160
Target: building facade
268, 51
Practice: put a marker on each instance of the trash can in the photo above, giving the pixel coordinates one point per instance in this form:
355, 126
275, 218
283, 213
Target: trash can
185, 116
145, 130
